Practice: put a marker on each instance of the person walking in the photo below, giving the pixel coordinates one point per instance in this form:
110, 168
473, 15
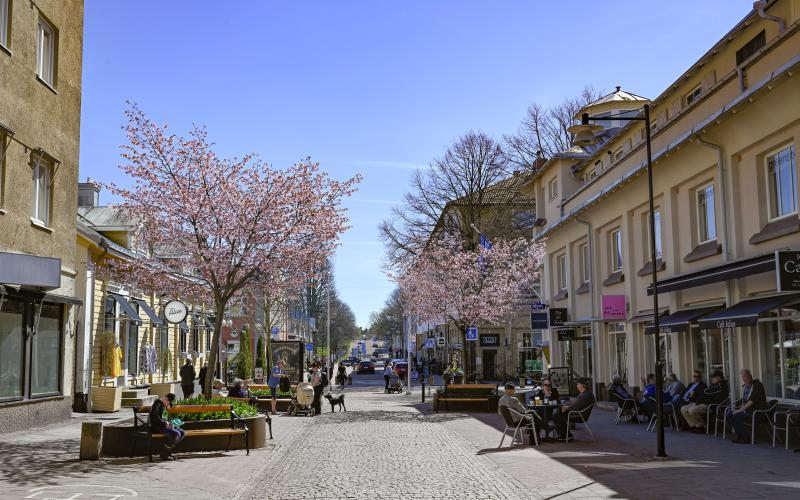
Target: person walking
187, 378
274, 381
316, 383
387, 374
202, 377
172, 435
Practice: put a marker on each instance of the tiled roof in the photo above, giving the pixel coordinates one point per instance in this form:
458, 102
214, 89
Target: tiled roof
103, 218
505, 192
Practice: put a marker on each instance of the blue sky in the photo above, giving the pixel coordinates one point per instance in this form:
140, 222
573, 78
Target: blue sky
375, 87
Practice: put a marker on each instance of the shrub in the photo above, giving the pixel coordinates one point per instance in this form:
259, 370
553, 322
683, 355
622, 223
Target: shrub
241, 408
244, 360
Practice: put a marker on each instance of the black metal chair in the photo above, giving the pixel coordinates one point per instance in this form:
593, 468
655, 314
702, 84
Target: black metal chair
769, 413
624, 407
715, 410
784, 421
525, 421
580, 416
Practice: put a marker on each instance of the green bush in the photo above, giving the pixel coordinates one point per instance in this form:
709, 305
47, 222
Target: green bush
266, 393
244, 360
239, 407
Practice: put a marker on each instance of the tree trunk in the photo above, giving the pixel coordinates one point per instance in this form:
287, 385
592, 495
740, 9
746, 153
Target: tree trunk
214, 354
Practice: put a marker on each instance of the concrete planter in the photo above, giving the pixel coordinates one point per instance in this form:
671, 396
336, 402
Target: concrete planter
162, 389
118, 438
107, 399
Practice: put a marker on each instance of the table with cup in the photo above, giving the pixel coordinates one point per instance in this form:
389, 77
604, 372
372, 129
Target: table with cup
546, 409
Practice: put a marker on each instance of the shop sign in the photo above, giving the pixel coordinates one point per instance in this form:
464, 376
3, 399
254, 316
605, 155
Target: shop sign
428, 343
440, 341
787, 269
613, 307
537, 306
490, 340
458, 346
565, 335
538, 320
472, 333
558, 316
175, 312
533, 365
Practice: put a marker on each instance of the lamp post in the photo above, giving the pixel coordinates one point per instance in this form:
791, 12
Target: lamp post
585, 135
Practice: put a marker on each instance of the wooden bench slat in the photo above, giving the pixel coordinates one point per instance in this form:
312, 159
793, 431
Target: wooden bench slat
206, 432
199, 408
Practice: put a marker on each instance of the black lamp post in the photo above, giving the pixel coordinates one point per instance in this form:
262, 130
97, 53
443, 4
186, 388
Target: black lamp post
584, 135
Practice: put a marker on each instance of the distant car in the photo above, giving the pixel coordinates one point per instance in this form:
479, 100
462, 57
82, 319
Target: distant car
366, 367
380, 364
350, 362
401, 367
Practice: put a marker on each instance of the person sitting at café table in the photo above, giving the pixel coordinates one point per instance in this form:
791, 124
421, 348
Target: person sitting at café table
753, 398
584, 400
690, 395
509, 400
619, 389
646, 405
694, 412
674, 391
548, 392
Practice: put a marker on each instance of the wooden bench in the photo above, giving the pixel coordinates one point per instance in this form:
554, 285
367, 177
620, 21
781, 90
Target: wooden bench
252, 400
141, 425
470, 393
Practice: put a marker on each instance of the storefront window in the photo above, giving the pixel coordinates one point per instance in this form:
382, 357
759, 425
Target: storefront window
619, 352
707, 351
780, 357
771, 358
11, 349
46, 352
791, 347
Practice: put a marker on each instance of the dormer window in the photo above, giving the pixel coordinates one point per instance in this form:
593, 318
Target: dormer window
694, 95
552, 188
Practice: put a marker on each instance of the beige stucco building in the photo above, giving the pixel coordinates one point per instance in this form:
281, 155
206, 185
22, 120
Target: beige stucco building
41, 45
724, 142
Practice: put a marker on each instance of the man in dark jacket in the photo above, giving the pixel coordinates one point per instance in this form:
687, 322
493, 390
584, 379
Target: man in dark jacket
187, 379
695, 411
158, 425
754, 397
584, 400
202, 378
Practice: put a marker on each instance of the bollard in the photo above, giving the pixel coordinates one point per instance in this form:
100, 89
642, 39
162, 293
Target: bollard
91, 439
423, 390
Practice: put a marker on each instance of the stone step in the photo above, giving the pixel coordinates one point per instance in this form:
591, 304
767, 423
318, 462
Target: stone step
135, 393
144, 400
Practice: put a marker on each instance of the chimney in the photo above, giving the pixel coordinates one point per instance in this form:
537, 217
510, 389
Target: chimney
88, 194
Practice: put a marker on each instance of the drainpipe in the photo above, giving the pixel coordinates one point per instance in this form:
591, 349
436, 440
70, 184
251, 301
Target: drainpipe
590, 242
760, 7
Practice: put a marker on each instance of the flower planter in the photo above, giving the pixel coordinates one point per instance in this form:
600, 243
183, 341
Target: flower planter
162, 389
107, 399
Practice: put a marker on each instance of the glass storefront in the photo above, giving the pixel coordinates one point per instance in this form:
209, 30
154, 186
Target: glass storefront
707, 353
46, 352
11, 349
779, 341
618, 350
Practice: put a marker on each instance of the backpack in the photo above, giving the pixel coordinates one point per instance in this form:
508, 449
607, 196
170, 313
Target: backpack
285, 384
324, 379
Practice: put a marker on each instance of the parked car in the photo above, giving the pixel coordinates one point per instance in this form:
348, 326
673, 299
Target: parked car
350, 362
365, 367
401, 367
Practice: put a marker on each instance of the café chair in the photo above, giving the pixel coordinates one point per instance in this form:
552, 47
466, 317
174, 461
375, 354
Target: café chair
525, 421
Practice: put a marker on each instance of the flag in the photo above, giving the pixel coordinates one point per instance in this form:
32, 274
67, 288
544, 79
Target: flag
485, 243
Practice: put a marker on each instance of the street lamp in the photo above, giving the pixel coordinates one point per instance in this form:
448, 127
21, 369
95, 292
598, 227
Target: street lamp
584, 136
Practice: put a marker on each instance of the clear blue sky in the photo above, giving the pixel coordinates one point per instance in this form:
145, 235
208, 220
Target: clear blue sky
375, 87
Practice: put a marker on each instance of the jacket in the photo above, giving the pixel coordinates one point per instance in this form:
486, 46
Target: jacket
757, 395
693, 392
714, 394
583, 401
187, 375
156, 418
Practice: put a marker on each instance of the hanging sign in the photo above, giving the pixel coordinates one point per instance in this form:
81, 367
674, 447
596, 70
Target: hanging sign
539, 321
558, 316
568, 334
614, 307
490, 340
787, 269
309, 347
175, 312
429, 344
472, 333
440, 341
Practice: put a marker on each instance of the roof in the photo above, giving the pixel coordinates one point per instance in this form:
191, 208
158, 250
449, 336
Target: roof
505, 192
106, 218
618, 95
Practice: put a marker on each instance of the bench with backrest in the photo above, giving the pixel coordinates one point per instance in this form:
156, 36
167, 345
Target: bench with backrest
141, 424
467, 393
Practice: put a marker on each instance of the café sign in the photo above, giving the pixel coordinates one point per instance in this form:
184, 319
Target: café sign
787, 270
558, 316
490, 340
175, 312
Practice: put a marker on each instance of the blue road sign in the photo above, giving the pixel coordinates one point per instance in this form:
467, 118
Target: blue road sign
428, 343
275, 330
472, 333
309, 347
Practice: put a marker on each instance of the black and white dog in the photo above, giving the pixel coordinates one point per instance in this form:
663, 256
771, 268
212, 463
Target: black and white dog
336, 400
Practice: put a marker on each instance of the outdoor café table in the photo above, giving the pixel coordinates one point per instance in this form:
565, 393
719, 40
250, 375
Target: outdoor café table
547, 413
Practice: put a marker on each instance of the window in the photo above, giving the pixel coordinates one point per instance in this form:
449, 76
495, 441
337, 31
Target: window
182, 337
616, 251
46, 352
584, 263
618, 154
11, 349
3, 149
751, 48
780, 355
41, 190
562, 271
553, 187
657, 217
46, 52
694, 95
163, 338
196, 335
706, 217
208, 339
4, 23
782, 183
590, 175
619, 351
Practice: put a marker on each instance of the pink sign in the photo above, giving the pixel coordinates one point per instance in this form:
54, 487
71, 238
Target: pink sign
614, 307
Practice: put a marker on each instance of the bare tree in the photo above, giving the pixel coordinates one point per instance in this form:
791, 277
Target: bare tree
543, 131
470, 165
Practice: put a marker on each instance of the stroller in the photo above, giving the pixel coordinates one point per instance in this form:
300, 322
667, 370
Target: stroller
395, 384
302, 398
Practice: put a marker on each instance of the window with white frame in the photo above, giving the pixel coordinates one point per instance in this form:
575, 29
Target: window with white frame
616, 250
618, 154
5, 20
657, 217
618, 350
584, 263
553, 187
590, 175
693, 95
706, 214
42, 171
46, 52
561, 262
782, 183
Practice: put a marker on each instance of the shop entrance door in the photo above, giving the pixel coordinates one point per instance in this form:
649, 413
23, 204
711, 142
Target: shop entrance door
489, 372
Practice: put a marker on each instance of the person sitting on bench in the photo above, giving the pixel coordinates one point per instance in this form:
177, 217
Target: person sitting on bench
172, 435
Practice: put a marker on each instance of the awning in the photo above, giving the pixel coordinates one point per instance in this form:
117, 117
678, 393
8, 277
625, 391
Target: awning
724, 272
154, 319
183, 326
127, 308
679, 321
747, 312
648, 316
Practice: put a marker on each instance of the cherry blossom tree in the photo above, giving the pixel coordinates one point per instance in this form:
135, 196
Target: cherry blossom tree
212, 228
451, 282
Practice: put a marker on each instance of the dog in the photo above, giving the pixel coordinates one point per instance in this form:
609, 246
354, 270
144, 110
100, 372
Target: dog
336, 400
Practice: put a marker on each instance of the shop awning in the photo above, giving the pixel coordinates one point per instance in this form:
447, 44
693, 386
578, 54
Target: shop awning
679, 321
126, 307
747, 312
183, 326
154, 319
648, 316
724, 272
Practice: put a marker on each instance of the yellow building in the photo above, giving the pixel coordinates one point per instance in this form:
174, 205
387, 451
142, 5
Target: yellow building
41, 50
724, 142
